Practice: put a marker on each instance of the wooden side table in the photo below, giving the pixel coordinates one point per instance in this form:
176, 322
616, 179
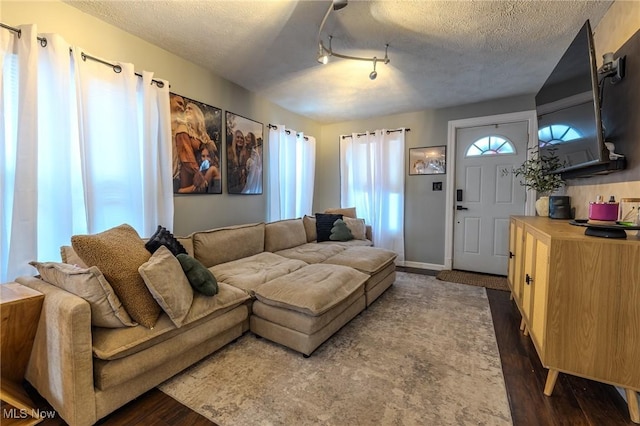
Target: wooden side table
20, 308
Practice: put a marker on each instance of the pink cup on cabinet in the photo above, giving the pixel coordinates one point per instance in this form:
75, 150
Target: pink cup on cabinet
603, 211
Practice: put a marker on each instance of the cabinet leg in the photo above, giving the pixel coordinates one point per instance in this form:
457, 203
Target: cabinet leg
552, 376
522, 325
510, 296
632, 401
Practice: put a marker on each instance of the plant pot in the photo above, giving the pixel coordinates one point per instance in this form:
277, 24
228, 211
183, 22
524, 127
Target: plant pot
542, 206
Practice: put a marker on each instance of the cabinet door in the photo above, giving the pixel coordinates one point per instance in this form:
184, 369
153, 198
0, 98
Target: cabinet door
518, 262
527, 275
512, 253
540, 289
534, 293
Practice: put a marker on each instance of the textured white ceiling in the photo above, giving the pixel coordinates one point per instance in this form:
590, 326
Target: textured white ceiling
443, 53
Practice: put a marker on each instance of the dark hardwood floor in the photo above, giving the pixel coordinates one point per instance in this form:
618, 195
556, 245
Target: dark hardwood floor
575, 401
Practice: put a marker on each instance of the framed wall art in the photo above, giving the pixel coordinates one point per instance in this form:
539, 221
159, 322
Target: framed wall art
244, 155
428, 160
196, 130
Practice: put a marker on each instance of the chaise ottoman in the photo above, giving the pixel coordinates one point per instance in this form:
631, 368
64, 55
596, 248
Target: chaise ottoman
377, 263
304, 308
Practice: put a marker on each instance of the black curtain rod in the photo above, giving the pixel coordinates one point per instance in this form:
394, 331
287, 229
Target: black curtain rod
273, 126
116, 68
366, 133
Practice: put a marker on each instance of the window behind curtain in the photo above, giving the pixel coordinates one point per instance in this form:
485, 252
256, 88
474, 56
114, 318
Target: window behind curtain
100, 156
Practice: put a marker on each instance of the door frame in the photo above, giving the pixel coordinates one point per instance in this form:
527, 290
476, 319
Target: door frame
529, 207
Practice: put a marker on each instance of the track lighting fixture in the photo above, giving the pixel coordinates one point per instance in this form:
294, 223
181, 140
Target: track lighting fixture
324, 52
374, 73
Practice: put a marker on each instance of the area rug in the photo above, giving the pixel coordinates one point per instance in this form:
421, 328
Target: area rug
495, 282
424, 353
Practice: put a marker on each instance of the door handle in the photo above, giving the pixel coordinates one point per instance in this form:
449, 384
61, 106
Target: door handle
511, 255
461, 208
528, 279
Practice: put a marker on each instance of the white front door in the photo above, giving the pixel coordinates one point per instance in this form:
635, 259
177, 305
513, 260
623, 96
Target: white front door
486, 196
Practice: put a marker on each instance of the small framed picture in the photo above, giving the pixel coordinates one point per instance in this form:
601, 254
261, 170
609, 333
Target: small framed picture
430, 160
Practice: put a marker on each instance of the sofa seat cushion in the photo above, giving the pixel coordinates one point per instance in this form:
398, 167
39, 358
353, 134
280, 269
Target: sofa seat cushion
350, 243
110, 344
369, 260
284, 234
164, 355
313, 252
253, 271
222, 245
312, 290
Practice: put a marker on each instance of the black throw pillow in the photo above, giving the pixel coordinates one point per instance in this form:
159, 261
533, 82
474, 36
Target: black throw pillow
324, 223
163, 237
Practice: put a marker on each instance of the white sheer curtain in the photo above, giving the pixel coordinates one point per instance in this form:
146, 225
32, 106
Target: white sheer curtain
372, 180
83, 149
292, 159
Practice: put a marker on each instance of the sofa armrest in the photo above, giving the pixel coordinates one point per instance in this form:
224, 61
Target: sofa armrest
61, 363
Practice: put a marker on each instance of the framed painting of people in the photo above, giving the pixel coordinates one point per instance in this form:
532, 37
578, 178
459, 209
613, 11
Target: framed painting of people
428, 161
196, 131
244, 155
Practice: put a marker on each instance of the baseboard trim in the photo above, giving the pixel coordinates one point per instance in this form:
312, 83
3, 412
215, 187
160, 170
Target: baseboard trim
421, 265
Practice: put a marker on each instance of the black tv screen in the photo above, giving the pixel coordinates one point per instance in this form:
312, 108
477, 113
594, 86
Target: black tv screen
568, 107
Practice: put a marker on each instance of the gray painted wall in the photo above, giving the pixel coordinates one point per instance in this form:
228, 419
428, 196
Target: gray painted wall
424, 208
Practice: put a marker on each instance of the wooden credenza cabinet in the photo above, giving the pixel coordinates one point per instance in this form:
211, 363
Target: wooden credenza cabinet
579, 297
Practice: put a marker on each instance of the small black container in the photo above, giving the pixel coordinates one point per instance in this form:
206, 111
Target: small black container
559, 207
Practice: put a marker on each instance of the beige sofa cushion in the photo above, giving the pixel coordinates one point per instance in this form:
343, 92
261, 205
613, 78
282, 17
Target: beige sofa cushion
309, 223
253, 271
356, 226
168, 284
187, 243
92, 286
68, 255
346, 212
313, 252
313, 289
369, 260
310, 228
118, 253
221, 245
284, 234
109, 344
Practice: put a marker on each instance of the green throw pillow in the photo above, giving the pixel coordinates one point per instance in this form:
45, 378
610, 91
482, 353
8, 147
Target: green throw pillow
340, 231
200, 278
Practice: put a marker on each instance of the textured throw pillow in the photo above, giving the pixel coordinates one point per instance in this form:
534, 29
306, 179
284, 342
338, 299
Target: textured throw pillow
324, 223
168, 284
163, 237
118, 253
91, 285
340, 231
200, 278
357, 228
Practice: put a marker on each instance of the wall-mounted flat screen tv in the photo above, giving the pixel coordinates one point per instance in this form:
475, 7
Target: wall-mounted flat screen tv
568, 107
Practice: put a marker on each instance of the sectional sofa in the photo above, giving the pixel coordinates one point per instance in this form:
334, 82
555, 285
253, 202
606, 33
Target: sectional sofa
273, 279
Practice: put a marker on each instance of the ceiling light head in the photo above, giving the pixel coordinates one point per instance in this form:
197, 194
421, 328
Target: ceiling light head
374, 74
339, 4
322, 57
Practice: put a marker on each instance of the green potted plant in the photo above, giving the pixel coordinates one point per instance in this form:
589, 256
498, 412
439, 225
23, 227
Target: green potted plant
537, 173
